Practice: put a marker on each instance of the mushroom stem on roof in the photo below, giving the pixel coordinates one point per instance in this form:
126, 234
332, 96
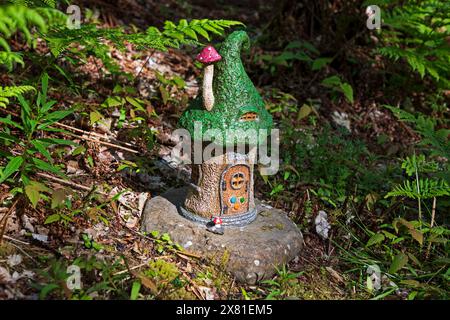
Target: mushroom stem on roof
208, 56
208, 95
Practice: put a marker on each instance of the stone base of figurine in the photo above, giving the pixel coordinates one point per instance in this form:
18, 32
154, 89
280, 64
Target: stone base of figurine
252, 252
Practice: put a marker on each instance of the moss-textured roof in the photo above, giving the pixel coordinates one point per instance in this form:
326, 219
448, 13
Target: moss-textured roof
234, 95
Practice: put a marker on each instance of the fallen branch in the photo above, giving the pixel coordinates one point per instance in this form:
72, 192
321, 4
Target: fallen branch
102, 142
67, 182
16, 240
89, 133
130, 269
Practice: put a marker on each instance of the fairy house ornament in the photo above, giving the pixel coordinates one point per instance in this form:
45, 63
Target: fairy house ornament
221, 192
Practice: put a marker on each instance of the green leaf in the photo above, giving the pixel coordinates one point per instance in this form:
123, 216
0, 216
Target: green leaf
399, 262
113, 102
52, 218
12, 166
117, 89
369, 284
90, 161
87, 241
39, 186
24, 104
45, 166
331, 81
304, 111
25, 113
78, 150
8, 137
95, 116
96, 246
47, 106
166, 237
414, 259
11, 123
44, 86
154, 234
189, 32
135, 290
179, 82
47, 289
210, 26
41, 148
54, 117
33, 194
309, 46
201, 32
169, 25
122, 117
135, 103
375, 239
389, 235
320, 63
348, 91
164, 94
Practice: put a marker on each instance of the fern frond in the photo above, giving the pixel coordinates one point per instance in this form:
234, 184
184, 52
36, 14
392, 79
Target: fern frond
417, 32
197, 27
34, 3
53, 17
401, 114
20, 18
425, 126
9, 92
9, 58
172, 35
418, 164
427, 189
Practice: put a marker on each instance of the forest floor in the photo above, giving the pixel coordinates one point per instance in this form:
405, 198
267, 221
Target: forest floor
123, 129
106, 237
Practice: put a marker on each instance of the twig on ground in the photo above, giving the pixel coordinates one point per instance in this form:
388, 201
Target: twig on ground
193, 286
4, 220
130, 269
95, 134
24, 252
102, 142
68, 182
15, 240
145, 62
433, 216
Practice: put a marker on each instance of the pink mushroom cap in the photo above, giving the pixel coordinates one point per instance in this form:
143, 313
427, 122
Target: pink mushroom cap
208, 55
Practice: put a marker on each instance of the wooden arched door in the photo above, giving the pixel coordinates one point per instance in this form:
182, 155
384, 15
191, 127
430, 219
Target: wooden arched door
235, 190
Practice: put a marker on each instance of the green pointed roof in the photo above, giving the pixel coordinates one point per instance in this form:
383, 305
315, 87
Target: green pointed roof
234, 95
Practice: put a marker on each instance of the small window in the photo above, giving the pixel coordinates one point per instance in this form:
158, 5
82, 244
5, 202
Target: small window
249, 116
237, 180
